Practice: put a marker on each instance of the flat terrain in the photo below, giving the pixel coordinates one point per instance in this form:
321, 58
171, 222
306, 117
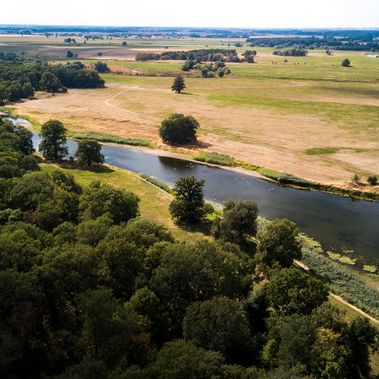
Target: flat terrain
305, 116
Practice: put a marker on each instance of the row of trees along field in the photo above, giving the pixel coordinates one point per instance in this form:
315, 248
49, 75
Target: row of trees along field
352, 43
89, 289
19, 79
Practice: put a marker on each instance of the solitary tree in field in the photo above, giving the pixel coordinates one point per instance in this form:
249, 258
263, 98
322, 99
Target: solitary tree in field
178, 85
89, 152
188, 205
179, 129
346, 63
53, 144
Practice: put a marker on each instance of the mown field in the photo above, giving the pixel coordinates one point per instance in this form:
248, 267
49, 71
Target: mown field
306, 116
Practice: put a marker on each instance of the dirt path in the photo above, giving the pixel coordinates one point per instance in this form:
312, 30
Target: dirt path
108, 103
340, 299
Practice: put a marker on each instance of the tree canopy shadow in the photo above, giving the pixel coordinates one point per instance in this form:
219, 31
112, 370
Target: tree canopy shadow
72, 165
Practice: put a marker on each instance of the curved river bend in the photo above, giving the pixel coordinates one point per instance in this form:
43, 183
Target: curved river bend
337, 222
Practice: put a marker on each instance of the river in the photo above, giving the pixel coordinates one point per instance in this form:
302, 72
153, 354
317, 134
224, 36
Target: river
337, 222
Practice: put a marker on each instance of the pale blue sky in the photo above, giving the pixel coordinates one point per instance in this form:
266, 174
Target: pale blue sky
221, 13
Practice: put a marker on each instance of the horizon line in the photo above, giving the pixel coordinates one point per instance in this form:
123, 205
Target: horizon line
373, 28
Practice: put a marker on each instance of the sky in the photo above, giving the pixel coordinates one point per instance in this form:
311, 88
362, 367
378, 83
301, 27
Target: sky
195, 13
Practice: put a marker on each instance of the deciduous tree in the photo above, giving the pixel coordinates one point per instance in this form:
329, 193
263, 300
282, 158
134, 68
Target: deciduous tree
53, 140
179, 129
89, 152
178, 85
188, 205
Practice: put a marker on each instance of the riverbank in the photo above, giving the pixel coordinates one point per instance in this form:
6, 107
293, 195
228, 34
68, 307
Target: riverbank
343, 226
363, 192
354, 191
281, 178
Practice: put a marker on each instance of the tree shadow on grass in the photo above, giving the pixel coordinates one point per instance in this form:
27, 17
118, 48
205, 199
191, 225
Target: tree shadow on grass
203, 227
100, 169
192, 146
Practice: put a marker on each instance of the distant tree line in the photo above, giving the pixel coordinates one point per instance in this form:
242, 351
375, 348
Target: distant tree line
358, 43
203, 55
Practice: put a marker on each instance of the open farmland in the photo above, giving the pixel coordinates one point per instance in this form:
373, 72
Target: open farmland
303, 115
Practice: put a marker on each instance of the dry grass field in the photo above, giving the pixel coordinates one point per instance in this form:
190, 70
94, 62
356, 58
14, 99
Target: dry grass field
305, 116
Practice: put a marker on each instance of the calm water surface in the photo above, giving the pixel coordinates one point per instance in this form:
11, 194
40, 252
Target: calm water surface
335, 221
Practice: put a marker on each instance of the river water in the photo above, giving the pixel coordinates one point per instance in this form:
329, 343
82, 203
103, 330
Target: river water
337, 222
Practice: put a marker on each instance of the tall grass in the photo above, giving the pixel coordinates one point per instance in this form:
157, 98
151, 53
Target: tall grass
215, 158
113, 139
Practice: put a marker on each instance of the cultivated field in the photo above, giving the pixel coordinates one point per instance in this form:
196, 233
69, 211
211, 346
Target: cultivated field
305, 116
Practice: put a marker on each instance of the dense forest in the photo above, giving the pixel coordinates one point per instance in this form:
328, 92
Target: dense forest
89, 289
19, 78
